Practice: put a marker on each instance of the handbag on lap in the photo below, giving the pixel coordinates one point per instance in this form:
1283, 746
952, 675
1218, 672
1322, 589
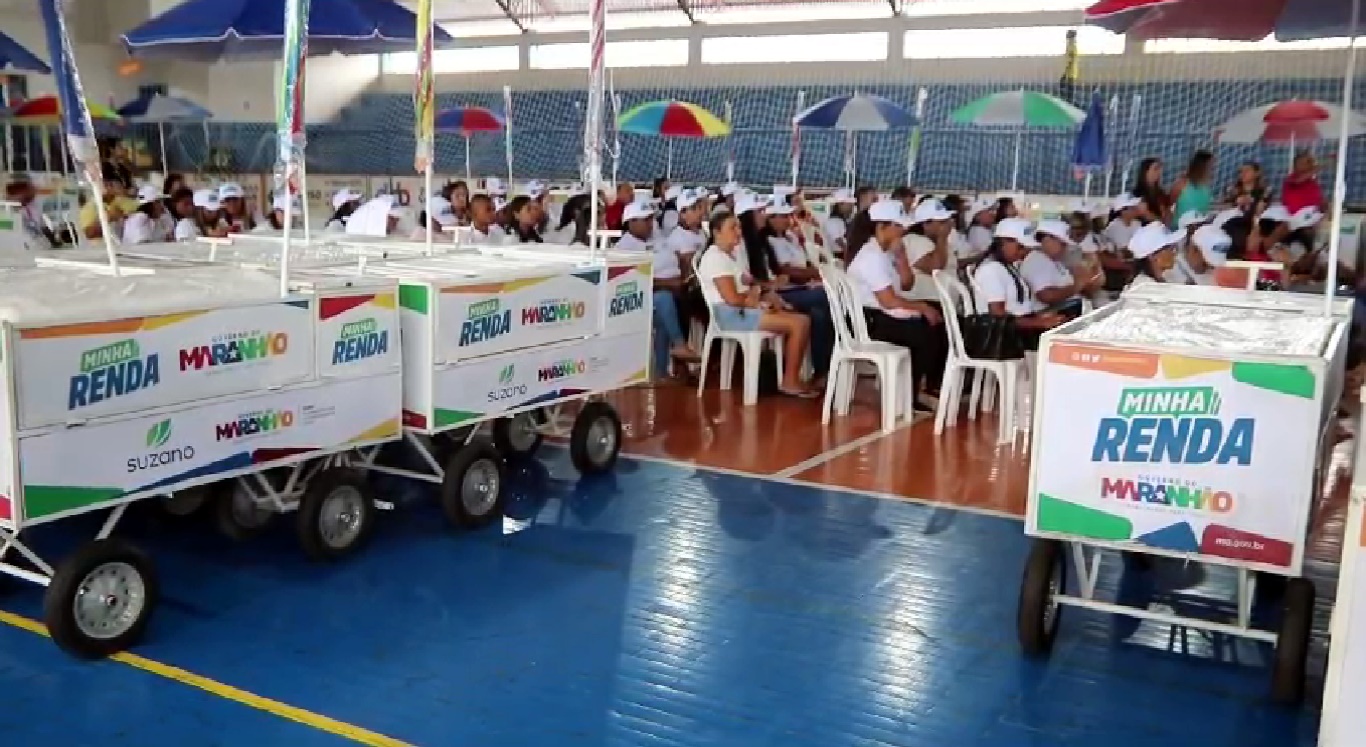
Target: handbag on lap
988, 337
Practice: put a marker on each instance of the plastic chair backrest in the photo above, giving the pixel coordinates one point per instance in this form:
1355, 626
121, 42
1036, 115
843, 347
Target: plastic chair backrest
710, 294
952, 298
849, 297
841, 315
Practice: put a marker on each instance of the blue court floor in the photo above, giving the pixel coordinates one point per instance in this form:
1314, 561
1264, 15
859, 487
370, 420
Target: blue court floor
659, 606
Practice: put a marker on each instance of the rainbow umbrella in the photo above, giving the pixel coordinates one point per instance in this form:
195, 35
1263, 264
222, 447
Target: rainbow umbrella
45, 110
671, 119
466, 119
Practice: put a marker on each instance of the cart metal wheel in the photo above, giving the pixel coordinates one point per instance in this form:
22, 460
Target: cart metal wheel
519, 436
472, 492
187, 502
595, 439
1038, 616
336, 513
238, 516
1292, 642
100, 599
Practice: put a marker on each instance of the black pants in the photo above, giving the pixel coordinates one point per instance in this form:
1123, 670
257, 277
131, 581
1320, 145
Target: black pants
928, 354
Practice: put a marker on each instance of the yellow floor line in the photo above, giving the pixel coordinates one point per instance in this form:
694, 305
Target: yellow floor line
228, 692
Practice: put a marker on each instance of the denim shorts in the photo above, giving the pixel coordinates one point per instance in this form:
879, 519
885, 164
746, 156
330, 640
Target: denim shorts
735, 319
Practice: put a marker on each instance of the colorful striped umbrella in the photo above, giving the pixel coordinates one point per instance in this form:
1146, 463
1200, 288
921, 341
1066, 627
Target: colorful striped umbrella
1253, 20
463, 119
1020, 109
45, 110
672, 119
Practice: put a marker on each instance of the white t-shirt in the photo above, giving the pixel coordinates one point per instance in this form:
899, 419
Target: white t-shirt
959, 246
979, 238
1183, 274
1041, 272
1119, 233
1140, 279
787, 251
835, 229
186, 230
141, 228
917, 247
629, 243
668, 222
716, 263
166, 223
871, 271
993, 283
680, 242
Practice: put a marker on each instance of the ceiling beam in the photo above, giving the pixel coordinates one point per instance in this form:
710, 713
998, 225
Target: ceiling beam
507, 11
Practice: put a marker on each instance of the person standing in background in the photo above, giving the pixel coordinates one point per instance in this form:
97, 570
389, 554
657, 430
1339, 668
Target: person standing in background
1067, 84
1301, 188
1191, 192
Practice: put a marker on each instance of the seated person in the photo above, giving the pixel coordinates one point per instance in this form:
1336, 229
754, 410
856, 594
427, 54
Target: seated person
115, 204
638, 233
524, 215
1053, 285
145, 225
484, 228
38, 233
746, 307
791, 258
1154, 251
998, 288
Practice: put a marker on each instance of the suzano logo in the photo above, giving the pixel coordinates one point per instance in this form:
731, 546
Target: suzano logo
629, 298
157, 453
236, 347
484, 321
255, 424
360, 340
1177, 425
507, 388
110, 371
561, 370
1180, 494
554, 311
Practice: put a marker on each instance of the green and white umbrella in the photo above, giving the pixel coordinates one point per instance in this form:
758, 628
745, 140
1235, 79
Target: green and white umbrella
1020, 109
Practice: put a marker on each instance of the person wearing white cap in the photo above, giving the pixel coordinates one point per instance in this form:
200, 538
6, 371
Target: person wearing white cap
981, 218
746, 307
837, 217
1206, 250
493, 186
207, 220
927, 249
999, 290
638, 227
275, 219
686, 240
1126, 221
236, 213
1054, 286
440, 214
1154, 250
144, 225
791, 258
668, 210
344, 203
670, 341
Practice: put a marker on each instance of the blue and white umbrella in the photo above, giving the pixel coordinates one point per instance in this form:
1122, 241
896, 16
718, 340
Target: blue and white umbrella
14, 56
859, 112
1088, 152
214, 30
163, 110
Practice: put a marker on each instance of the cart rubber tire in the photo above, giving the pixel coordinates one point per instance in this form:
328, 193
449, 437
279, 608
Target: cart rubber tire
188, 502
1038, 617
231, 522
125, 589
1292, 642
336, 513
595, 439
473, 490
518, 441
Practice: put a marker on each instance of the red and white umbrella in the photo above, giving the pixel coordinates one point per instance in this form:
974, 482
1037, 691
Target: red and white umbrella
1290, 122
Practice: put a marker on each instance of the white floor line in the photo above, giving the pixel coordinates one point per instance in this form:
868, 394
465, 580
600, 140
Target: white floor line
843, 449
979, 510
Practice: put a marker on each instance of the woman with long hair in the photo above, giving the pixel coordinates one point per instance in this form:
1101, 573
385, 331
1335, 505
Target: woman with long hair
1192, 191
745, 306
1154, 250
524, 217
998, 288
1249, 191
1154, 202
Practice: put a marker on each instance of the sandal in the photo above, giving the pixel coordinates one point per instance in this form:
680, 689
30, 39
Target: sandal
799, 393
685, 356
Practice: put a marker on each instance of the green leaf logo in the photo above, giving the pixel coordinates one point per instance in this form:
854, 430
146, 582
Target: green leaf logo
159, 434
506, 375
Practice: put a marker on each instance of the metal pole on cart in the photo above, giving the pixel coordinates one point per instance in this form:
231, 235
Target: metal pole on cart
1340, 177
289, 122
424, 106
592, 132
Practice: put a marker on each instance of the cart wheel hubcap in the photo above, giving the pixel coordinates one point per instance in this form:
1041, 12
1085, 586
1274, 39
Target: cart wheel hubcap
480, 487
341, 517
602, 440
522, 432
185, 502
109, 601
1050, 610
246, 511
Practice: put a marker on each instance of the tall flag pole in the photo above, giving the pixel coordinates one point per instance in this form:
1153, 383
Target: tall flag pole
424, 95
1112, 116
593, 130
507, 130
289, 121
730, 143
796, 155
917, 132
76, 115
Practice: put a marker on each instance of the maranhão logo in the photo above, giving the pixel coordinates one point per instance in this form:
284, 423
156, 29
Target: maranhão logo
629, 298
254, 424
554, 311
561, 370
507, 388
1182, 494
230, 349
110, 371
360, 340
1173, 425
485, 320
157, 452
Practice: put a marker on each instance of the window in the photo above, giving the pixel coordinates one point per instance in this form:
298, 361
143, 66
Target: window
930, 8
647, 53
1025, 41
1269, 44
715, 14
858, 47
468, 60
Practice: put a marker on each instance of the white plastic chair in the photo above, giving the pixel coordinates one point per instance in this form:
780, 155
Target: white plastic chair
852, 346
749, 344
816, 253
953, 298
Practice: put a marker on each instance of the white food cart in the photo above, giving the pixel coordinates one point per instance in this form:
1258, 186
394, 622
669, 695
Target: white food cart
1185, 429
